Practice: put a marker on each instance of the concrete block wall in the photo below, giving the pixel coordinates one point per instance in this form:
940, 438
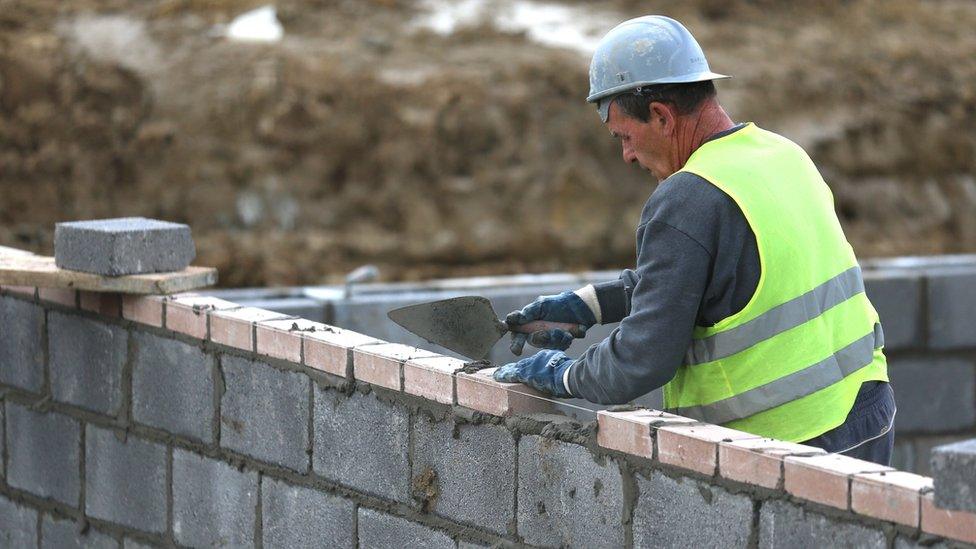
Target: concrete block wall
927, 307
181, 440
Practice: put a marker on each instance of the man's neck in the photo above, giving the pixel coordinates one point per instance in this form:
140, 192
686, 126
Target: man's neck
692, 131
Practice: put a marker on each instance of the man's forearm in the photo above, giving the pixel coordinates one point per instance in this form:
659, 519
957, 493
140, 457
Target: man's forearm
645, 351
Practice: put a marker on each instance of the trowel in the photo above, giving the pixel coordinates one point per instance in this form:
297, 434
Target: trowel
466, 325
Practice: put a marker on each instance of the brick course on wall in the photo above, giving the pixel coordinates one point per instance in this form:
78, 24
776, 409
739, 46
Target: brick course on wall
141, 434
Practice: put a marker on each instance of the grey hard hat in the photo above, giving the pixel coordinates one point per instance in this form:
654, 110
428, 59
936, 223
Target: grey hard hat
645, 51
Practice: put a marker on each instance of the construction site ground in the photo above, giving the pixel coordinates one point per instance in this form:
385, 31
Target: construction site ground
369, 134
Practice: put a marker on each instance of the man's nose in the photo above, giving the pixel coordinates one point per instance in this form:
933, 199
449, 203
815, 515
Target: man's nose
629, 156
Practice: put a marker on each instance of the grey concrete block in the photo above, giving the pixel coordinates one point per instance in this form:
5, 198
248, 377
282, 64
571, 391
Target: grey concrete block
923, 450
21, 347
127, 245
264, 412
565, 498
86, 360
172, 386
66, 534
783, 524
44, 454
380, 531
688, 513
295, 516
902, 542
19, 525
469, 477
903, 455
361, 442
214, 504
897, 296
954, 474
952, 310
125, 482
948, 400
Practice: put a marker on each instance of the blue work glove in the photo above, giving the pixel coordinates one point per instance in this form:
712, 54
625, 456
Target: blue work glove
564, 307
542, 371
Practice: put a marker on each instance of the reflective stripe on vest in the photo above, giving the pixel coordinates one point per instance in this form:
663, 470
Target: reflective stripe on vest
807, 381
778, 319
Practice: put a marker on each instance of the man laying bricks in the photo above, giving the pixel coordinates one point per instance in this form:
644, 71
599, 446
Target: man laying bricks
747, 302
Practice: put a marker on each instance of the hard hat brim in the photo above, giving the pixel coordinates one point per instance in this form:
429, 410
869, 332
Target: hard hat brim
604, 98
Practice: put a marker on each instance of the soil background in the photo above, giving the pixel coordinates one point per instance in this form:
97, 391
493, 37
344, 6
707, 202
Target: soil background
360, 138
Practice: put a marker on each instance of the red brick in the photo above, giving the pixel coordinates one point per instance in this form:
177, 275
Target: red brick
480, 392
958, 525
62, 296
628, 432
380, 364
330, 349
23, 291
143, 309
106, 304
824, 479
187, 313
758, 461
234, 327
694, 447
431, 377
283, 338
892, 496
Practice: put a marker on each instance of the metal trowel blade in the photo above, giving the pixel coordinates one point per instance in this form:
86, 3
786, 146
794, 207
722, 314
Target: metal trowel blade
466, 325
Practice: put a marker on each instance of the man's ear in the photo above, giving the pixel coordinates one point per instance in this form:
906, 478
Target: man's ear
663, 117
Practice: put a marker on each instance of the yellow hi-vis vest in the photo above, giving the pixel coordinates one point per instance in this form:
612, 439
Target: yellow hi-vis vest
788, 365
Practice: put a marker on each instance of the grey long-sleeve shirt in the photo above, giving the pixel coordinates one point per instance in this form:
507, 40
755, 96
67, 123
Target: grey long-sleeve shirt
697, 263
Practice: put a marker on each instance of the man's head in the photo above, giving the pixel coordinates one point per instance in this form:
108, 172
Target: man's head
649, 123
652, 74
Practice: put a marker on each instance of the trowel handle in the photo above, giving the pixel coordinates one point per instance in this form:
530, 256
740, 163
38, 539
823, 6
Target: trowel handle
576, 330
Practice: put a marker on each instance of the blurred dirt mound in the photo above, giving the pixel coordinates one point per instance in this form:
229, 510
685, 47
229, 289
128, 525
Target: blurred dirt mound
359, 138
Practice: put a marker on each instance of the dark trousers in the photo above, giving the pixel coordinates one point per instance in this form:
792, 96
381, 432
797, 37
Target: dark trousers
868, 433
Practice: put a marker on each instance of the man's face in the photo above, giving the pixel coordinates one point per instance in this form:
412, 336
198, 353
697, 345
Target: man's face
646, 143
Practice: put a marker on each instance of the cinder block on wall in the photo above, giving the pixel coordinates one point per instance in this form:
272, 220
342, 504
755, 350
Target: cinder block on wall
567, 499
686, 513
361, 442
378, 529
783, 524
66, 533
172, 386
122, 246
213, 503
952, 310
44, 455
470, 467
264, 412
125, 482
295, 516
86, 360
934, 394
21, 350
19, 525
954, 473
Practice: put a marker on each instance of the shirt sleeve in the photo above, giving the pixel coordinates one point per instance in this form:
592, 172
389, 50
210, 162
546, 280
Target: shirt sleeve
646, 349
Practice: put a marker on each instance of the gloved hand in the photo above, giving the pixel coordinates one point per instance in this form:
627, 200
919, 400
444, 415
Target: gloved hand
542, 371
564, 307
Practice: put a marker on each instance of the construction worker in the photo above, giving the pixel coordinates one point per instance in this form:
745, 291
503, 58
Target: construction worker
747, 303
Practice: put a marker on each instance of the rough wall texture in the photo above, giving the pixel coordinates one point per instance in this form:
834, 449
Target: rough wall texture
268, 451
